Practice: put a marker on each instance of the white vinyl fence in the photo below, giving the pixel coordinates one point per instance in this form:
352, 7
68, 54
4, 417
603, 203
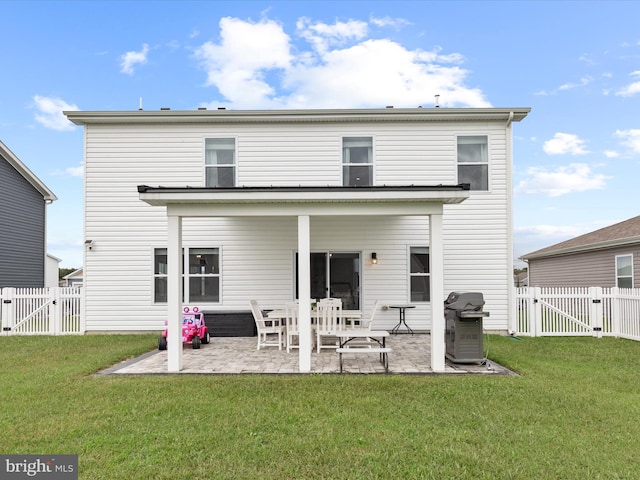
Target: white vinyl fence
41, 311
573, 311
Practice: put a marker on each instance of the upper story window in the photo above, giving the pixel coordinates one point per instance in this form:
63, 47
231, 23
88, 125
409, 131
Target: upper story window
473, 161
419, 276
357, 161
624, 271
220, 162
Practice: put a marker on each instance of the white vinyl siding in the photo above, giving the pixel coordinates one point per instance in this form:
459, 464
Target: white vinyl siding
256, 254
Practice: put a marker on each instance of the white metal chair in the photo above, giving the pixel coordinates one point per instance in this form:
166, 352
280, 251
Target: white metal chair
329, 312
292, 326
267, 328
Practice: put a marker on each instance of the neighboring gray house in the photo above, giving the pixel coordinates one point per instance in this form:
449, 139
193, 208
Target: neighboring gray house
23, 201
609, 257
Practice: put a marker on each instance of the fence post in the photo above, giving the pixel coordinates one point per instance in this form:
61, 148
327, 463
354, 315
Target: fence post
83, 320
8, 310
535, 311
596, 311
55, 308
615, 311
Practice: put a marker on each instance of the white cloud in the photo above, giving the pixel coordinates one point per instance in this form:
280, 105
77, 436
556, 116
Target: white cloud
576, 177
238, 64
611, 154
322, 36
584, 81
550, 233
389, 22
631, 89
563, 144
130, 59
630, 138
70, 172
255, 66
50, 112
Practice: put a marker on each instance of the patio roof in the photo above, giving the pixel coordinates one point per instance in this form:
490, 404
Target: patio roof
400, 196
304, 202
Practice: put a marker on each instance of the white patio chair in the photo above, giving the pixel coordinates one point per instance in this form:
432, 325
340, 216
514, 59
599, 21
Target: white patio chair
368, 322
267, 328
292, 327
329, 312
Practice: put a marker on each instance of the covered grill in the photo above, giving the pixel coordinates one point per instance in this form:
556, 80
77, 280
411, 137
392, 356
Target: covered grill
463, 312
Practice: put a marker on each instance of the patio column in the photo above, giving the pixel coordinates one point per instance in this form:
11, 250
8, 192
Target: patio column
174, 293
436, 267
304, 293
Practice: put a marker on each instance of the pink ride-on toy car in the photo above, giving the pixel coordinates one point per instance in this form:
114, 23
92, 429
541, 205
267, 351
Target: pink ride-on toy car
194, 330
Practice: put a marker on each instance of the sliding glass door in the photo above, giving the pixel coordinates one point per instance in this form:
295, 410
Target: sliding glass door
335, 275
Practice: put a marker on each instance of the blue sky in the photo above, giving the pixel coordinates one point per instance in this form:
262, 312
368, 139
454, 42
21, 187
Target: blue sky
576, 64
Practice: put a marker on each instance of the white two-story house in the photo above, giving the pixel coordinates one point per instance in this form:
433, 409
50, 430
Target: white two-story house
217, 207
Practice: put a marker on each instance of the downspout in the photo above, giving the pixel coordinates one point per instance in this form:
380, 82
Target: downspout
511, 290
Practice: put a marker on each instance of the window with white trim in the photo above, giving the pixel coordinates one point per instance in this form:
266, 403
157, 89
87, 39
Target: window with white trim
624, 271
201, 278
220, 162
357, 161
473, 161
419, 275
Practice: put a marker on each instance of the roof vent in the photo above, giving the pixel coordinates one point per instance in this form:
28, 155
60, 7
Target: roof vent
221, 108
202, 108
389, 106
165, 108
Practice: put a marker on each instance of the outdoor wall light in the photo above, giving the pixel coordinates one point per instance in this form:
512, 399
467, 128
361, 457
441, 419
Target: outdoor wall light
88, 244
374, 258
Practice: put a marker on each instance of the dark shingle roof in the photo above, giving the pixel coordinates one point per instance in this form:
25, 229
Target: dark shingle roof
614, 235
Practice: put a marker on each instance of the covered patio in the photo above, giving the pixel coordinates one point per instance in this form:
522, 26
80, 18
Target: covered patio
238, 355
305, 203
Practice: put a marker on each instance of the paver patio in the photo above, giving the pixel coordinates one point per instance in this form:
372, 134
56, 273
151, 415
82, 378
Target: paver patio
237, 355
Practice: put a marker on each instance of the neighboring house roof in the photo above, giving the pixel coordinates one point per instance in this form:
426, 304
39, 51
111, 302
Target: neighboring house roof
22, 169
75, 274
620, 234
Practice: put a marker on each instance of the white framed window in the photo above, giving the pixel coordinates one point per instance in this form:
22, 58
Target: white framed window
419, 275
220, 162
624, 271
357, 161
200, 280
473, 161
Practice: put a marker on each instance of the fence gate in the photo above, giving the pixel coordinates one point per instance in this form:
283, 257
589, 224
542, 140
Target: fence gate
575, 311
41, 311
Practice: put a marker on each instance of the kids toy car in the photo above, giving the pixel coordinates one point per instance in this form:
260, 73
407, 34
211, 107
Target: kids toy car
194, 330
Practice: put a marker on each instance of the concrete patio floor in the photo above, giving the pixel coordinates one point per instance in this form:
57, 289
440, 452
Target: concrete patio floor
238, 355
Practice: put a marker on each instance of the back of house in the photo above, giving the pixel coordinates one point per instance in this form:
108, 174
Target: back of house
232, 257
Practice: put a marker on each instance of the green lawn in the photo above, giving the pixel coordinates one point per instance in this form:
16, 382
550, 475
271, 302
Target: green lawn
573, 413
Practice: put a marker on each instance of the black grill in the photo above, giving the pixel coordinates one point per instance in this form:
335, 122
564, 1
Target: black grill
463, 312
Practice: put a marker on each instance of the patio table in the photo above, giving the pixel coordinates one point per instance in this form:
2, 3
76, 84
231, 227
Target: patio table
352, 315
402, 309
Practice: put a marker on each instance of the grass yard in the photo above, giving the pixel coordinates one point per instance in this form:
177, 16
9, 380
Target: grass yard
573, 413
